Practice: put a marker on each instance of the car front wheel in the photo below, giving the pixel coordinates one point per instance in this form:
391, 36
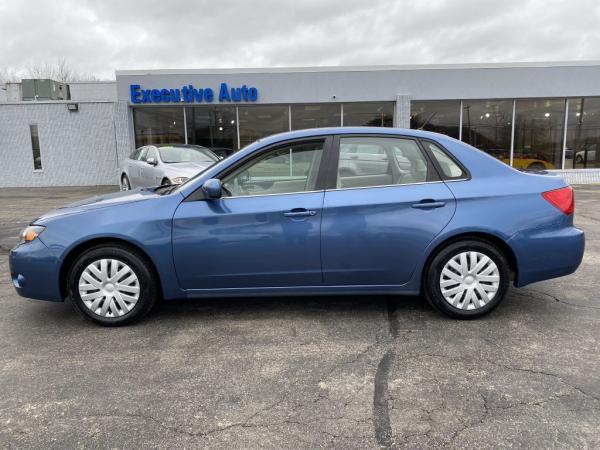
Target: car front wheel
467, 279
112, 285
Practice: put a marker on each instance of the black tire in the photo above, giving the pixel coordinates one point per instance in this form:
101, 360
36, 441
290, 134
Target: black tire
149, 290
431, 282
536, 166
165, 182
125, 184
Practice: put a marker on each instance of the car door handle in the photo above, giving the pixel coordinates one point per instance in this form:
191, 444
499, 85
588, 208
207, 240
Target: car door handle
428, 204
300, 212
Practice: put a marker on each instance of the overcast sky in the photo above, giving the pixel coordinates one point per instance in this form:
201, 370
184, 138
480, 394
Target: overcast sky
99, 37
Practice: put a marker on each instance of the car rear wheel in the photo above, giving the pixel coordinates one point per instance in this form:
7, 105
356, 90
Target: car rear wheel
467, 279
536, 166
112, 285
165, 182
125, 184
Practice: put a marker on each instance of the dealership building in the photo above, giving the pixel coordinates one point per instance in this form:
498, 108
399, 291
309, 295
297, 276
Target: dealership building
529, 115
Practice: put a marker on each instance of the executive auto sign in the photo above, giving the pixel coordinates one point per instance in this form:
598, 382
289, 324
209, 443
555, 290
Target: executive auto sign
190, 94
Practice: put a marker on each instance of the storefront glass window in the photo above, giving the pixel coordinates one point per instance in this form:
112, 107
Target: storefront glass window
369, 114
158, 126
583, 133
212, 126
539, 130
260, 121
486, 125
315, 116
441, 116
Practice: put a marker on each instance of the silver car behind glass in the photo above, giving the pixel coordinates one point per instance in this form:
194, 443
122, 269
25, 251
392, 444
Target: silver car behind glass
154, 165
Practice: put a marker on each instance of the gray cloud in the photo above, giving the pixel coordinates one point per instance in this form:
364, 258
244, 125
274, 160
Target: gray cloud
100, 37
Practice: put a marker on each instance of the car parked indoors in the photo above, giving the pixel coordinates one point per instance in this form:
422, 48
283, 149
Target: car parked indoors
222, 152
319, 211
163, 164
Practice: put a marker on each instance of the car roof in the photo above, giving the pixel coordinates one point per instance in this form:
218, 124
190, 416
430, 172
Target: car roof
350, 130
178, 145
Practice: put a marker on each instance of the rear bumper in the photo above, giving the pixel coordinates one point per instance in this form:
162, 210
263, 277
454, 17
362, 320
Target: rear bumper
35, 272
547, 253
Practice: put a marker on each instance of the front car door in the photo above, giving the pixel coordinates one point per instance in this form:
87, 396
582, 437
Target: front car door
265, 231
377, 225
136, 167
151, 173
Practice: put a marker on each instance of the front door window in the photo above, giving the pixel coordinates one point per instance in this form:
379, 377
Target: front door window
288, 169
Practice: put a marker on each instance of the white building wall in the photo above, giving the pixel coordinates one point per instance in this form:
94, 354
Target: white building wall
77, 148
93, 90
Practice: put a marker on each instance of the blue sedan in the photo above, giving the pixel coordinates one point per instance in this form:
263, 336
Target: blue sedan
321, 211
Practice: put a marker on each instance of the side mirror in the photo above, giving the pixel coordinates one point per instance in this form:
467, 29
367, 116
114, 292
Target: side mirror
152, 161
212, 189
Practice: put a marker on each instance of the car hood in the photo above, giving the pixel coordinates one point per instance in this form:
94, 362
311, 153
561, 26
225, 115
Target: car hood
99, 201
185, 169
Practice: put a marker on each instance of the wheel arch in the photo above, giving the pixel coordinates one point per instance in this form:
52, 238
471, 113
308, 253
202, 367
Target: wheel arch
76, 251
490, 238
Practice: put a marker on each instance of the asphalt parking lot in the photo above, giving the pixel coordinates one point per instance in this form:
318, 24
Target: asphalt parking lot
360, 372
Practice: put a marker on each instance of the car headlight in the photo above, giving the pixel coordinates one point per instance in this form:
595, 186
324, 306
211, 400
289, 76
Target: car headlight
179, 180
30, 233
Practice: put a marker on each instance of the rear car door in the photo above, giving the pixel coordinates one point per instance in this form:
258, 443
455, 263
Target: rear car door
376, 226
265, 232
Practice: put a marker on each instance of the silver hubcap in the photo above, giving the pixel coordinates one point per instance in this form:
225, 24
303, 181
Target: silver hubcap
125, 184
109, 288
469, 280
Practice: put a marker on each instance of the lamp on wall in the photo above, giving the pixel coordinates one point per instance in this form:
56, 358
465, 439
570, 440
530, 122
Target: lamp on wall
73, 107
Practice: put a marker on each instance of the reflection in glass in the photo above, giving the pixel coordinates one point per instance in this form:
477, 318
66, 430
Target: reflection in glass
212, 126
369, 114
315, 116
292, 168
158, 126
583, 133
440, 116
487, 126
260, 121
539, 127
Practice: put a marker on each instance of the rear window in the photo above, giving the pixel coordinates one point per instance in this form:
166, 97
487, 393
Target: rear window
450, 169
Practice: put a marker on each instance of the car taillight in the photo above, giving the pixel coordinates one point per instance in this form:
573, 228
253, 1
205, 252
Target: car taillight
562, 198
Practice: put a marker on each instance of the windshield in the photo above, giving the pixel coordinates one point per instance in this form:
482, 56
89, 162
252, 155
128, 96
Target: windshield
170, 155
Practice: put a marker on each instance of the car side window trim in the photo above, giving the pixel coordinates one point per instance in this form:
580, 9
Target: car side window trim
333, 162
327, 140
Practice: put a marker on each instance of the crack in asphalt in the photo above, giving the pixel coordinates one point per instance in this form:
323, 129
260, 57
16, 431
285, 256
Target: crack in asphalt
510, 368
381, 410
525, 292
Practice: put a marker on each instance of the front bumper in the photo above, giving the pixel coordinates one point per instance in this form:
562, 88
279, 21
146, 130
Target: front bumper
35, 271
547, 253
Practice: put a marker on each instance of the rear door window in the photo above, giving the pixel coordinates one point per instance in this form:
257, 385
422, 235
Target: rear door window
380, 161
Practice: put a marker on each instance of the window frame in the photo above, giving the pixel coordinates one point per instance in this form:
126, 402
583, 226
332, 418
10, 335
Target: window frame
433, 175
441, 174
39, 149
327, 140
